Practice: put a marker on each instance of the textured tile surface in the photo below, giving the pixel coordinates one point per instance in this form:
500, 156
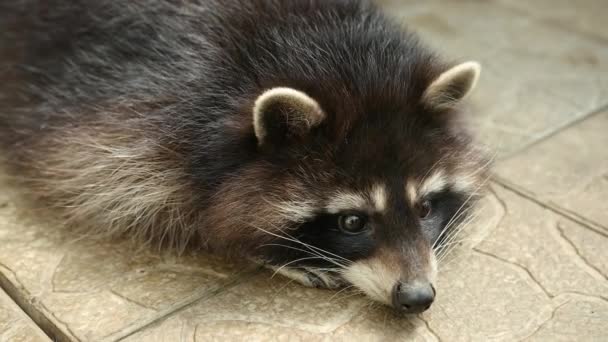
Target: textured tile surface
562, 260
87, 290
15, 325
526, 279
588, 16
569, 170
536, 77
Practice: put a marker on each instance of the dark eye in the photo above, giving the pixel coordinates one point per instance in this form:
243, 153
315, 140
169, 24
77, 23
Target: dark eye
352, 224
424, 209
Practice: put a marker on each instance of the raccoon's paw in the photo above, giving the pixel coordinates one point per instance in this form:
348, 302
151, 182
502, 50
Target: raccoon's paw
310, 277
323, 279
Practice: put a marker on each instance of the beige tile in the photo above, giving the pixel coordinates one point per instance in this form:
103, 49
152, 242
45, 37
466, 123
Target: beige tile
519, 282
568, 170
89, 290
518, 275
588, 244
561, 256
15, 325
536, 77
578, 318
274, 308
588, 16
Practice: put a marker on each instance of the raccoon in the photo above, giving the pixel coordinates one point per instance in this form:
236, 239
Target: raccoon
317, 137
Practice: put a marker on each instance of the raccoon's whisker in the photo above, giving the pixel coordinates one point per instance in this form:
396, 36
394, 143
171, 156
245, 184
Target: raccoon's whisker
453, 235
292, 239
452, 261
461, 211
432, 168
332, 260
313, 251
342, 290
457, 242
348, 295
323, 269
461, 208
457, 232
452, 247
448, 229
484, 167
294, 261
289, 247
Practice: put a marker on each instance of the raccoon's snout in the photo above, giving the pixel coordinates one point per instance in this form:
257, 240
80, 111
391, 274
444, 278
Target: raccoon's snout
413, 298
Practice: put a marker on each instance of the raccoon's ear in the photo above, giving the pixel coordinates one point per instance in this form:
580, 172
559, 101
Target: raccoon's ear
452, 86
283, 112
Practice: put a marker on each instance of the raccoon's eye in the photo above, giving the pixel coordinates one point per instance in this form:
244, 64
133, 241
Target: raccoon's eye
424, 209
351, 224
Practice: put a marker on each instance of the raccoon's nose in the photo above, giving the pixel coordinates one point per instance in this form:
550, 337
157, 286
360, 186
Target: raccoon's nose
413, 298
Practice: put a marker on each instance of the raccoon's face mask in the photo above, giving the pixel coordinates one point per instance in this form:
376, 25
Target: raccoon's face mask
373, 209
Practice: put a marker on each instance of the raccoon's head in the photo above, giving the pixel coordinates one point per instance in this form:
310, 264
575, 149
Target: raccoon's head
358, 198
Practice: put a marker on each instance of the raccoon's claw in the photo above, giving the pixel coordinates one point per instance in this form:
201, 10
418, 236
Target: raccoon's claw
310, 277
315, 280
325, 280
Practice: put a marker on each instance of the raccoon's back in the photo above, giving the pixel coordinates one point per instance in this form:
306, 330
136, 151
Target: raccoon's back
124, 115
197, 61
96, 111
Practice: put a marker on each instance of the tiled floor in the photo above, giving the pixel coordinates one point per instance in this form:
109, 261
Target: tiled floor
535, 267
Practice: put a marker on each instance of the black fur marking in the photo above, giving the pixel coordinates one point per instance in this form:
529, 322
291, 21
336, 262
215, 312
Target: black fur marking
323, 233
448, 207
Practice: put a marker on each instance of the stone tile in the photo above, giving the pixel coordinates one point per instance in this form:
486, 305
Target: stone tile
588, 244
518, 282
578, 318
549, 248
588, 16
568, 170
536, 78
275, 307
519, 276
89, 290
15, 325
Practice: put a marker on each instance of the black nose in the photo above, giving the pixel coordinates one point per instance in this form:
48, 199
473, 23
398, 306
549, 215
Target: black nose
413, 298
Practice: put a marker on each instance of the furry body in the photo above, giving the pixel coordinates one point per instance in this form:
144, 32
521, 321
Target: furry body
136, 118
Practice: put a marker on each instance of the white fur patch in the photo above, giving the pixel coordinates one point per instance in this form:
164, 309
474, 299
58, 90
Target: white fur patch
345, 201
374, 278
433, 183
464, 183
307, 110
379, 197
412, 191
296, 211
